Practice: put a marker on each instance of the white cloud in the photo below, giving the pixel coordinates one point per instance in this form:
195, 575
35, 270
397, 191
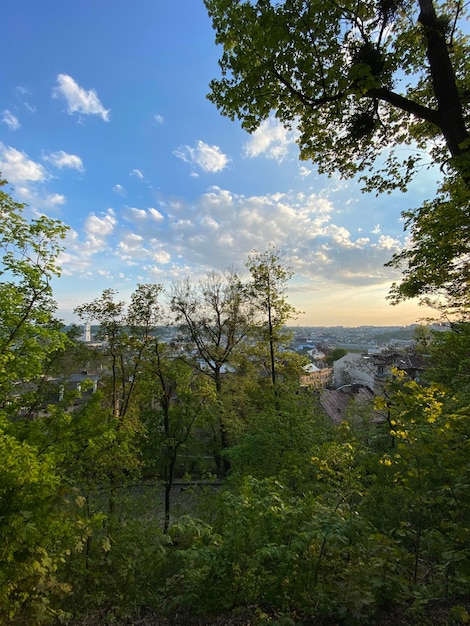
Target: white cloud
220, 228
158, 118
79, 253
10, 120
210, 223
131, 246
17, 167
56, 199
97, 230
120, 190
137, 173
101, 225
162, 257
132, 214
155, 214
36, 200
270, 138
340, 235
205, 157
62, 159
304, 171
389, 243
78, 99
138, 214
376, 230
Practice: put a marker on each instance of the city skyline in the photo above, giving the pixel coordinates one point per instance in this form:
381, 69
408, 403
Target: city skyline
105, 125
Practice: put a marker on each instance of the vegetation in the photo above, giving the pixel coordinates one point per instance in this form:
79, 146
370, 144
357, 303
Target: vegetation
308, 521
360, 81
278, 512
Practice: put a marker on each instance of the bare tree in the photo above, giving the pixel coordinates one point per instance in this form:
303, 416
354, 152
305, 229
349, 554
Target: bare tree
214, 317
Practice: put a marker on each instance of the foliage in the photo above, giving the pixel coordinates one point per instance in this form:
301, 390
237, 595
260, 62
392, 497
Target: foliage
174, 401
335, 71
120, 570
266, 289
436, 264
429, 468
126, 335
359, 81
277, 441
334, 355
292, 554
313, 520
32, 532
213, 318
28, 331
449, 364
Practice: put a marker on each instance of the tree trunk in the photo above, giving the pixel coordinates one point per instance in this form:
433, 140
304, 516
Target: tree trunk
451, 118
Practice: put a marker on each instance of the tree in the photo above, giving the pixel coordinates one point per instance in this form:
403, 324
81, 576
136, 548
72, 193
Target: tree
436, 264
334, 355
449, 360
214, 319
33, 530
29, 332
429, 470
175, 398
359, 80
126, 332
126, 335
335, 70
269, 277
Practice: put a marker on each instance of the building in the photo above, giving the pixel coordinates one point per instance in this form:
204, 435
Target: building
314, 376
373, 370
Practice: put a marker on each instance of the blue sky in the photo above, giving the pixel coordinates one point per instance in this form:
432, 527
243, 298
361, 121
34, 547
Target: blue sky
105, 125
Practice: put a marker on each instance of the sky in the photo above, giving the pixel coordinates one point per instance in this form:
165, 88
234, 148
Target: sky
105, 125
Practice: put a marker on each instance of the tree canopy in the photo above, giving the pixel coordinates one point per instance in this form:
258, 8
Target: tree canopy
28, 262
358, 80
354, 77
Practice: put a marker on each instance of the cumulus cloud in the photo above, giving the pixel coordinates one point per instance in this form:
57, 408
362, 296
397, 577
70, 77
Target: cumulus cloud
130, 246
133, 214
207, 158
10, 120
272, 139
158, 118
97, 229
304, 171
155, 214
17, 167
136, 214
56, 199
62, 159
388, 243
162, 257
120, 190
137, 173
220, 228
78, 99
37, 200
